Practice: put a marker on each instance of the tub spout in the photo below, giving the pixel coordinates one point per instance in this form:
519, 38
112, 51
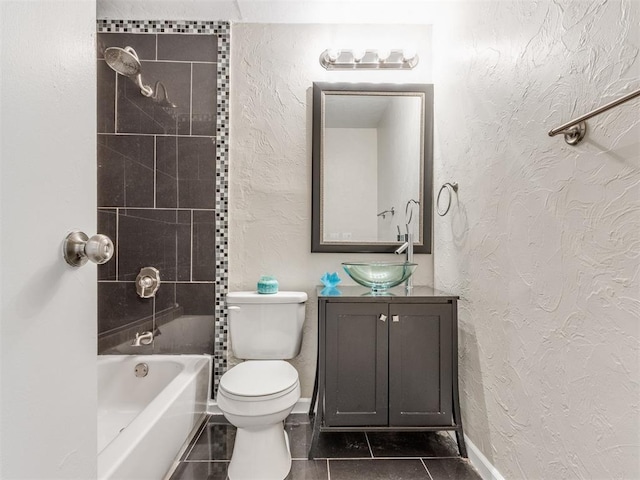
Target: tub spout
144, 338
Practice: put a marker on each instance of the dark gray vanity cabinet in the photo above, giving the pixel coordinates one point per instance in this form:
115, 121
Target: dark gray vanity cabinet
386, 362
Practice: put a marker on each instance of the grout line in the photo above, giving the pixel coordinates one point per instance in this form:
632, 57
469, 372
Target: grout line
328, 471
156, 35
191, 253
368, 444
183, 209
191, 102
155, 135
177, 178
425, 467
117, 243
155, 171
115, 107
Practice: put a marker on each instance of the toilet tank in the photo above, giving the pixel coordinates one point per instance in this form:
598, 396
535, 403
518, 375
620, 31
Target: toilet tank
266, 326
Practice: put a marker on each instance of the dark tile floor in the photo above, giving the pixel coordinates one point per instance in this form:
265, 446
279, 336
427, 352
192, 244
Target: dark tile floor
343, 456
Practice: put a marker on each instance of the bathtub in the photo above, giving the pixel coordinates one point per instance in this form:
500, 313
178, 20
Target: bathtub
144, 421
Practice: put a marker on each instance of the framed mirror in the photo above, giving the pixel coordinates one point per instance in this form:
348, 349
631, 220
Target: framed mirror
372, 166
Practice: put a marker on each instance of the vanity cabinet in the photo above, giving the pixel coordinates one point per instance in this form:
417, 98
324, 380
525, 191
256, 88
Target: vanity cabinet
386, 362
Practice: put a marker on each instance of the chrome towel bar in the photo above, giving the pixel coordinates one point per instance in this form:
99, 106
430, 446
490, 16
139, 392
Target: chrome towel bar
575, 130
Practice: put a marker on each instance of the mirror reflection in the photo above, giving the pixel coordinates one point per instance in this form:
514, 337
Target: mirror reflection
372, 165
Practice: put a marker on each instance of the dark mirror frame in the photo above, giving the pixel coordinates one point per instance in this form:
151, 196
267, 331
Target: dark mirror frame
426, 208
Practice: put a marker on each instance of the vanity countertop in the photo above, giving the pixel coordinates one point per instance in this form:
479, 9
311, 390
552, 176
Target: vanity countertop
352, 292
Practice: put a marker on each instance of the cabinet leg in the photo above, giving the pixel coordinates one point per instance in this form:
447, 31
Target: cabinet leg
315, 435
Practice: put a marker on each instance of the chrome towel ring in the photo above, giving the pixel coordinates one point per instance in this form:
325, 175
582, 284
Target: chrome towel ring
452, 188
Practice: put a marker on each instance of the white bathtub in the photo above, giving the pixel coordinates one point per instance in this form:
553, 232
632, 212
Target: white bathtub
144, 421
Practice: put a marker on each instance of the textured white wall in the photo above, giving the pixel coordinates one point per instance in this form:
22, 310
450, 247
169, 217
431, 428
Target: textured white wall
543, 242
48, 186
272, 71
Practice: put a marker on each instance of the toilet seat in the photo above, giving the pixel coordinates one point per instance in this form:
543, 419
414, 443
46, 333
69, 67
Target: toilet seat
259, 380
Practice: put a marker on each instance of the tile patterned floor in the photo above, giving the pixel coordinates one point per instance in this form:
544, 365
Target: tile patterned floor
343, 456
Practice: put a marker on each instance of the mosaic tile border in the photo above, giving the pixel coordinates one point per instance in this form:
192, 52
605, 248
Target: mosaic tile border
223, 31
164, 26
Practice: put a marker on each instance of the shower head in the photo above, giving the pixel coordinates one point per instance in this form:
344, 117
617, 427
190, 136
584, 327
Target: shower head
125, 61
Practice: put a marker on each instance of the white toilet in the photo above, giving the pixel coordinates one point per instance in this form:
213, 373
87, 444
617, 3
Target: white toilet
259, 393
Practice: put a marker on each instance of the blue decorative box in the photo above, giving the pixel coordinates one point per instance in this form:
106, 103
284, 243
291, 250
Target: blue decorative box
267, 284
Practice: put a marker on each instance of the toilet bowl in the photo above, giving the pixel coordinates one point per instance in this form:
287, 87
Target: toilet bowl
256, 396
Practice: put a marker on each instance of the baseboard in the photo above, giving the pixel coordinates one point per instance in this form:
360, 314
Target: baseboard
301, 406
481, 463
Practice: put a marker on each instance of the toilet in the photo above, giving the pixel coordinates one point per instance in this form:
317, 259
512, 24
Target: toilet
258, 394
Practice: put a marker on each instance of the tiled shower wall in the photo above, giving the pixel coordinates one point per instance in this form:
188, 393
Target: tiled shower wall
162, 187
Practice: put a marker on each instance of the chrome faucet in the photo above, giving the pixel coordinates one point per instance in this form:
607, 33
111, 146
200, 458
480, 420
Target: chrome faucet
144, 338
406, 247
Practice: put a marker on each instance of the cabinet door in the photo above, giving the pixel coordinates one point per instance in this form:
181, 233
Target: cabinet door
356, 364
420, 364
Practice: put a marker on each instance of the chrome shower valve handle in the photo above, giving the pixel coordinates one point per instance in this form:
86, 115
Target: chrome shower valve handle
148, 282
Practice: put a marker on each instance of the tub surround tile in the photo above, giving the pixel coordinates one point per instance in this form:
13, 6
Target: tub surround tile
139, 114
150, 238
196, 172
125, 171
144, 45
173, 160
167, 172
203, 115
204, 236
196, 298
188, 48
106, 98
119, 305
108, 225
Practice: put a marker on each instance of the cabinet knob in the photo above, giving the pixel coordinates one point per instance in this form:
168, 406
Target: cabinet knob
395, 318
383, 317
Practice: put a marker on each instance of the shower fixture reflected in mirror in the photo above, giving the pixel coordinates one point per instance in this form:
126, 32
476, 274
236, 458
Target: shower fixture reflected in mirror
125, 61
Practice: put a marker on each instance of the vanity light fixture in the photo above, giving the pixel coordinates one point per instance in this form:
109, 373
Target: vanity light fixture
333, 59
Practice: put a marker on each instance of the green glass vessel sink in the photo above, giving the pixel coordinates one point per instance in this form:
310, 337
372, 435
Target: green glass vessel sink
379, 275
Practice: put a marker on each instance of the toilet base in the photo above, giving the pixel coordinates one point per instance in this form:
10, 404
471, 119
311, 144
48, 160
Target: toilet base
260, 453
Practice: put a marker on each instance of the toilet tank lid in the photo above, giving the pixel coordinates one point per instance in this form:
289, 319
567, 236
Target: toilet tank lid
235, 298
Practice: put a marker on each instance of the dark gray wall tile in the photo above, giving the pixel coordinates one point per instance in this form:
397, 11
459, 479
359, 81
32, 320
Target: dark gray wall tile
190, 48
165, 296
106, 98
185, 243
166, 172
125, 171
140, 114
204, 100
143, 44
196, 298
196, 172
148, 238
119, 305
203, 247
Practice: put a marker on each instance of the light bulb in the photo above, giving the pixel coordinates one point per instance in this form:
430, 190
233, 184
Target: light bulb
383, 54
409, 54
333, 54
358, 54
